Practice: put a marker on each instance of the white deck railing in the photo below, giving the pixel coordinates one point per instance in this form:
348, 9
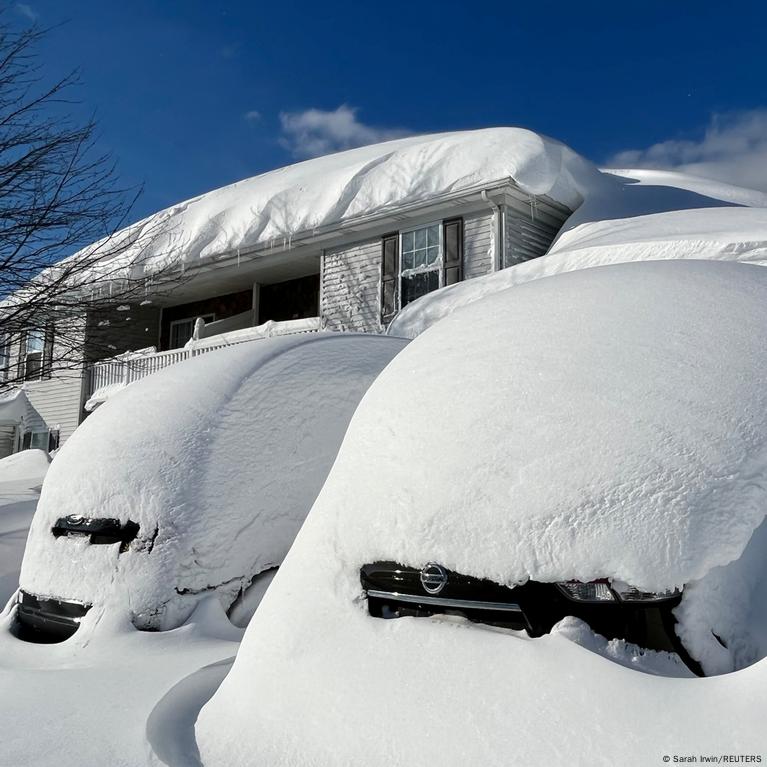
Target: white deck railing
130, 367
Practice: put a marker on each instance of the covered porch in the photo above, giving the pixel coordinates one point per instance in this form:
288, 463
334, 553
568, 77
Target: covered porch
211, 310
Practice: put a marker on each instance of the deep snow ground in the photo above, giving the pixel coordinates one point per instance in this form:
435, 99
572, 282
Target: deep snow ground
21, 476
124, 698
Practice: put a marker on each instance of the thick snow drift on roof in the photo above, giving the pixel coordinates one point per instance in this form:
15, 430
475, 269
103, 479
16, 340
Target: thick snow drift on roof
13, 407
218, 459
633, 216
604, 423
357, 183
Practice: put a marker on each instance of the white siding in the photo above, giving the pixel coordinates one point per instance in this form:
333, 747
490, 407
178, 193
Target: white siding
350, 290
56, 401
477, 245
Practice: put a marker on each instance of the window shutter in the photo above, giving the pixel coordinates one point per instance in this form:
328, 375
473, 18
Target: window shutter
452, 264
389, 276
48, 351
22, 356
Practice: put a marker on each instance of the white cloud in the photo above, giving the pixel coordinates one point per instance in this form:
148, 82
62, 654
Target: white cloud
27, 11
252, 116
733, 148
315, 132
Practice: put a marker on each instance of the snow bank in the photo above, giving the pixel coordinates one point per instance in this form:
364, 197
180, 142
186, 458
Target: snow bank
632, 216
605, 423
218, 459
21, 475
274, 207
26, 465
122, 698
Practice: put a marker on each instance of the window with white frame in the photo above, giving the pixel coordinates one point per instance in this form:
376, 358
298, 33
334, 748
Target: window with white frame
33, 354
181, 330
420, 262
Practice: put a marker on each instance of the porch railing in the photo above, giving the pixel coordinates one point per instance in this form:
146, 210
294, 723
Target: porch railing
127, 368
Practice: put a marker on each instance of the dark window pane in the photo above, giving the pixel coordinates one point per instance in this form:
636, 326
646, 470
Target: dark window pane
417, 285
33, 366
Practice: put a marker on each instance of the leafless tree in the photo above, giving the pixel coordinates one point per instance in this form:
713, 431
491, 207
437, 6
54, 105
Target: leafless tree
67, 260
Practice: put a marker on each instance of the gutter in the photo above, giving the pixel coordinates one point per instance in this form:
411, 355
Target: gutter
496, 224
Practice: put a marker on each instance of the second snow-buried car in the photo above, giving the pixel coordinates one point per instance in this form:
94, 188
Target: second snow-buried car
191, 482
607, 425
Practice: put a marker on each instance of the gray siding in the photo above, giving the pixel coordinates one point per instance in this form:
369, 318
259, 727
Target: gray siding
109, 333
7, 434
527, 237
350, 295
478, 256
350, 290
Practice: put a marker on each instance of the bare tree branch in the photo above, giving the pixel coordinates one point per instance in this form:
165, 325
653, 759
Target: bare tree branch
65, 256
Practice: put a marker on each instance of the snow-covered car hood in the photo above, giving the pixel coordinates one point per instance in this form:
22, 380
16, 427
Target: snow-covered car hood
604, 423
218, 459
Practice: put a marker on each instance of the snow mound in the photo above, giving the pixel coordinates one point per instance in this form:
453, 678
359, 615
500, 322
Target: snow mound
604, 423
618, 650
274, 207
218, 459
26, 465
632, 216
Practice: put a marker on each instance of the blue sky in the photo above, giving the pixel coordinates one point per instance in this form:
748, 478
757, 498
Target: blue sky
193, 95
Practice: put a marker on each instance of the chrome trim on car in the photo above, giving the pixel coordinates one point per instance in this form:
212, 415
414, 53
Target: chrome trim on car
465, 604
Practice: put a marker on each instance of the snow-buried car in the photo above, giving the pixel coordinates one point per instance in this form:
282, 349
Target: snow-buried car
605, 426
192, 482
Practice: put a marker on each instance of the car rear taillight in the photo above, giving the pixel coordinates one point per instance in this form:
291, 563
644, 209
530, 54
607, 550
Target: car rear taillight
603, 590
592, 591
628, 593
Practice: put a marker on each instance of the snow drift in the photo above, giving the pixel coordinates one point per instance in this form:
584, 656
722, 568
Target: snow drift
631, 216
218, 459
29, 465
604, 423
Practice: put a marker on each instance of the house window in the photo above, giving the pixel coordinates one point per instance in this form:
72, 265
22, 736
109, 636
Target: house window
36, 440
181, 330
33, 355
420, 262
417, 261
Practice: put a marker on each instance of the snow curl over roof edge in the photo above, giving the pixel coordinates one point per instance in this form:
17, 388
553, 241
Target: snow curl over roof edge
282, 204
633, 216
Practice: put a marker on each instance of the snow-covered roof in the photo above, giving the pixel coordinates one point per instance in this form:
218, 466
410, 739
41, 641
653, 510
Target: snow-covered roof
284, 204
603, 423
633, 216
14, 406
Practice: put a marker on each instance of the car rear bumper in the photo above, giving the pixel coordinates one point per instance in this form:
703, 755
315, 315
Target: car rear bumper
394, 591
43, 619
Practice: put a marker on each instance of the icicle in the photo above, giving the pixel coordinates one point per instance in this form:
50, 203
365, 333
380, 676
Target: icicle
238, 258
533, 207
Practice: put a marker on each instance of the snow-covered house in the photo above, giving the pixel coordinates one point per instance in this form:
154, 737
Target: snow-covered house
337, 243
